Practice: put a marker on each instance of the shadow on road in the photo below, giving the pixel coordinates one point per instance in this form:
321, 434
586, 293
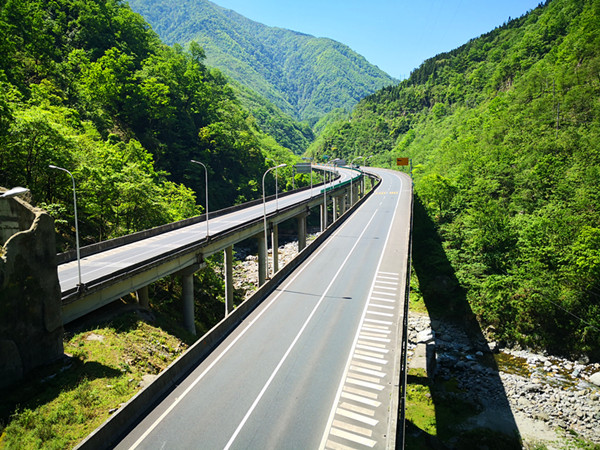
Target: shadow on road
471, 406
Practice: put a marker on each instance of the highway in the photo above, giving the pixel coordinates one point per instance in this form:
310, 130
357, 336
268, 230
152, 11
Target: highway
316, 364
106, 263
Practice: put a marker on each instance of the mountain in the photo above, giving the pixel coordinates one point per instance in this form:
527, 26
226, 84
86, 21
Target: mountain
306, 77
504, 136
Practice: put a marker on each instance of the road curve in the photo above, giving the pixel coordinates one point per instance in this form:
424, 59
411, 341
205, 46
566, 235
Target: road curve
316, 364
106, 263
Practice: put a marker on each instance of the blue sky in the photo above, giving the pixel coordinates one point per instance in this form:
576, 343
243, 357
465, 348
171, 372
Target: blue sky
396, 35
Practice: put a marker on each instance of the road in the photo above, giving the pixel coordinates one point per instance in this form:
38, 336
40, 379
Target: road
109, 262
316, 364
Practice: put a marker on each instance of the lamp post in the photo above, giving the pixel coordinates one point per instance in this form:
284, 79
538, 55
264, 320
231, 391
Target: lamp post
265, 210
205, 190
276, 183
14, 192
310, 161
351, 194
80, 284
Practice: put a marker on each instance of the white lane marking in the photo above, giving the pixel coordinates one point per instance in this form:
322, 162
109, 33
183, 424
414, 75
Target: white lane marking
367, 365
391, 294
353, 428
374, 344
371, 359
368, 371
377, 305
233, 342
293, 344
366, 353
385, 322
353, 437
374, 386
389, 300
362, 393
331, 445
359, 376
375, 313
394, 283
387, 278
358, 409
389, 273
360, 399
372, 348
358, 417
376, 330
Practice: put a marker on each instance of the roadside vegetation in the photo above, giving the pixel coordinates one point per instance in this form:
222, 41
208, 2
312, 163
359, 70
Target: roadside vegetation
504, 137
104, 366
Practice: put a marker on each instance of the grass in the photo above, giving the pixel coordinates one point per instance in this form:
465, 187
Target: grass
58, 406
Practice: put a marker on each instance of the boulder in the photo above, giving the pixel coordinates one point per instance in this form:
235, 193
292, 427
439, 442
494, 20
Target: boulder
595, 379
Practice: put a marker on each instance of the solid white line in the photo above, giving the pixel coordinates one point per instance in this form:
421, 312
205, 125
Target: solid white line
366, 384
151, 428
389, 273
293, 344
395, 283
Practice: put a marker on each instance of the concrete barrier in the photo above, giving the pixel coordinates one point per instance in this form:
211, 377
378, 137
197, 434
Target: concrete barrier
113, 430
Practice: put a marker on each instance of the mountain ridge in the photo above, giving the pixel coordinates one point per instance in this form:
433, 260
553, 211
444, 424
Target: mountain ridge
305, 76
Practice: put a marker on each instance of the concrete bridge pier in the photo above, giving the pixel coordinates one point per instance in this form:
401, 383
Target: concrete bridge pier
301, 220
275, 247
262, 259
187, 284
323, 211
142, 296
228, 280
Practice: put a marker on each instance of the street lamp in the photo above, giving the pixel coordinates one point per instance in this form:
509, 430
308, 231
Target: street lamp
14, 192
205, 190
276, 184
310, 162
265, 210
351, 195
80, 284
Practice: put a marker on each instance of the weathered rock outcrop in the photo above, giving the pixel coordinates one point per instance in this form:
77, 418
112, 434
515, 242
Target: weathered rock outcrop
30, 303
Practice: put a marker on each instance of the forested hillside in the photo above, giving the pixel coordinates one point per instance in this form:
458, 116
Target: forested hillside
88, 86
304, 76
504, 136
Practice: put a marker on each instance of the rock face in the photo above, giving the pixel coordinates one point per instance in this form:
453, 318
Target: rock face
30, 303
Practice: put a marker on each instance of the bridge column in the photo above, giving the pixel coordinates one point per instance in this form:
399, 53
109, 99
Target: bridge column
142, 297
187, 282
336, 201
275, 247
323, 211
262, 259
301, 219
228, 280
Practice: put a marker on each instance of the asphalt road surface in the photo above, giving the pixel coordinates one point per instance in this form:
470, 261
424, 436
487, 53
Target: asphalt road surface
316, 364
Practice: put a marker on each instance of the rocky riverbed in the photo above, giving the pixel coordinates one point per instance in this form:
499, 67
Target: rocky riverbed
548, 400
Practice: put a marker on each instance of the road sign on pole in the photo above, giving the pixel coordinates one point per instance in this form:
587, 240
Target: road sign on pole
402, 161
303, 167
